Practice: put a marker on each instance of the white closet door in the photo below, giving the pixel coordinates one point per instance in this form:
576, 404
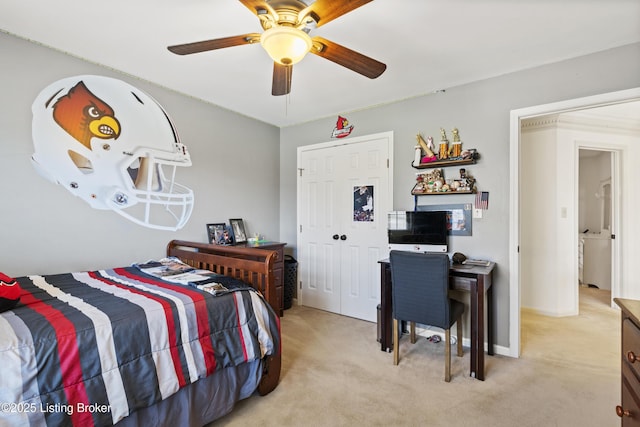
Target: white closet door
318, 251
344, 199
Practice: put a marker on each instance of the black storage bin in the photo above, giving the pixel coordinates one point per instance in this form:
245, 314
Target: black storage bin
290, 279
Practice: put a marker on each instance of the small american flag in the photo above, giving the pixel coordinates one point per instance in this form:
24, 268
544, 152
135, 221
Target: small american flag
482, 200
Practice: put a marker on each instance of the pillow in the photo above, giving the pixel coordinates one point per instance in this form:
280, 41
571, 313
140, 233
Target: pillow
9, 292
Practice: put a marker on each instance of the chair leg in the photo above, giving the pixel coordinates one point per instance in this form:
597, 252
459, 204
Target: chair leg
459, 340
396, 342
412, 329
447, 355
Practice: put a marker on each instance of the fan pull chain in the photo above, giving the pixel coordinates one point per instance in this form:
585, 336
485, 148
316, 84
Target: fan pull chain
286, 104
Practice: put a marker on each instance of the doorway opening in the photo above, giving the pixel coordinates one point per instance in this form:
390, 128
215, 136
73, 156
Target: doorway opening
595, 221
563, 211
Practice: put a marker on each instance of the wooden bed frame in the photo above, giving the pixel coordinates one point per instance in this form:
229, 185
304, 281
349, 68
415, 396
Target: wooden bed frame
252, 266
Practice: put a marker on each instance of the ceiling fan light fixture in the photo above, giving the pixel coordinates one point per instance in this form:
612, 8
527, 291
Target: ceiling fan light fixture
286, 45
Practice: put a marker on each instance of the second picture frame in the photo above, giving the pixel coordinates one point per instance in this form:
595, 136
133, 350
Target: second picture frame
239, 233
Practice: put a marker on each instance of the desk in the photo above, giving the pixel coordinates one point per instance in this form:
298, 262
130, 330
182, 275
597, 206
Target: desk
473, 279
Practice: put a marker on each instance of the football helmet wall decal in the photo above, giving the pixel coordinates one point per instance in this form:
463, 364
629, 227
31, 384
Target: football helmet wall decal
113, 146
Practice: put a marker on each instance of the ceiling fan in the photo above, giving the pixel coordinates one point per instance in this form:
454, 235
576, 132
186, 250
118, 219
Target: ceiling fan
286, 39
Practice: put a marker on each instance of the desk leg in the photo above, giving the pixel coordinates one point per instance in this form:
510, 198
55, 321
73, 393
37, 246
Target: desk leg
480, 296
474, 329
490, 318
386, 321
481, 290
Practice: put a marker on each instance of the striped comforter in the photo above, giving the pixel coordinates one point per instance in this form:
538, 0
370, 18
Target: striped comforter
89, 348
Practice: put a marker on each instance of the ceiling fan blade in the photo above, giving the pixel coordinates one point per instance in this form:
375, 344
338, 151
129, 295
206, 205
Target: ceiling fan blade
203, 46
348, 58
324, 11
281, 79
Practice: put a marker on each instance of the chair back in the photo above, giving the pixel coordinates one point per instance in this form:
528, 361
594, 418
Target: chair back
420, 286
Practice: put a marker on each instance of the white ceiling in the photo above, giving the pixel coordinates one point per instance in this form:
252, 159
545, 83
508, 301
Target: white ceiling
427, 45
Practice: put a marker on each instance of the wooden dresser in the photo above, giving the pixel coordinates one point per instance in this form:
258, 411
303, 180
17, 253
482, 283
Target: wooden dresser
629, 408
278, 268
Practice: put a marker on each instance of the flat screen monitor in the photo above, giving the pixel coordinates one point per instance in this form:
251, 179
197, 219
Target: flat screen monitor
418, 231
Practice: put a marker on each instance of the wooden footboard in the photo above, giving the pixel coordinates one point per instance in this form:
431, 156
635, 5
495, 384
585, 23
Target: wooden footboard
252, 266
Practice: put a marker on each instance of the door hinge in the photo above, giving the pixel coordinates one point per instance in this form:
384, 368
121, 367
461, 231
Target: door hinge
387, 163
300, 171
613, 237
301, 228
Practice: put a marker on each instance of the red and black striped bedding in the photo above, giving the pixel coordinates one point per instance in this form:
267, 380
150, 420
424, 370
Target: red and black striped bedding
89, 348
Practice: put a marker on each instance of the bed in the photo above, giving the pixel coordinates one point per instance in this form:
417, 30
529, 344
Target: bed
176, 341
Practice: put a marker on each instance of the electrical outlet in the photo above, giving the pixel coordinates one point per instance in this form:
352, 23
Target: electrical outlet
477, 213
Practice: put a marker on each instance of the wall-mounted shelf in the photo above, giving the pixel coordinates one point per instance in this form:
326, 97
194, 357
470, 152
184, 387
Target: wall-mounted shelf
440, 193
432, 183
445, 163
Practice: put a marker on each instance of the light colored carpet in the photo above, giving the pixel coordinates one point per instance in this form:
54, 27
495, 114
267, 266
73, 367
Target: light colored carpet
334, 374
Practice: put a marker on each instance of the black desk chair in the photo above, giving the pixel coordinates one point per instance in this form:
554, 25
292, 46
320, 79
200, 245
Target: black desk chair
420, 295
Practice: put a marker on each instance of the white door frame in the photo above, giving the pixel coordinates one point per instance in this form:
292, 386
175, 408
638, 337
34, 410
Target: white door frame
514, 191
335, 143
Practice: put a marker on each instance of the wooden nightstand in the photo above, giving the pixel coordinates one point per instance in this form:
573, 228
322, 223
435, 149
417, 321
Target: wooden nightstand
278, 268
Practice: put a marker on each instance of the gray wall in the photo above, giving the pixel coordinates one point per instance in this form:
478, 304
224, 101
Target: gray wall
45, 229
481, 111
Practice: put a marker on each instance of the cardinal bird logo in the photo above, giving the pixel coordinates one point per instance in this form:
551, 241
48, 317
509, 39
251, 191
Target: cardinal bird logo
342, 129
84, 116
9, 292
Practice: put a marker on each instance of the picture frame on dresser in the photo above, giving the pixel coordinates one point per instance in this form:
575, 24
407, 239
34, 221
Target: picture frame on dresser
239, 233
212, 229
219, 234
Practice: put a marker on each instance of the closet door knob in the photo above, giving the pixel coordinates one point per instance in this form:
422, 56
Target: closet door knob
343, 237
631, 357
336, 237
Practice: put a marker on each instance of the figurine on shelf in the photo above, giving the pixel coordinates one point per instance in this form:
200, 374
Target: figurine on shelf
435, 175
421, 186
456, 148
471, 154
443, 135
430, 144
417, 156
444, 145
467, 182
429, 156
